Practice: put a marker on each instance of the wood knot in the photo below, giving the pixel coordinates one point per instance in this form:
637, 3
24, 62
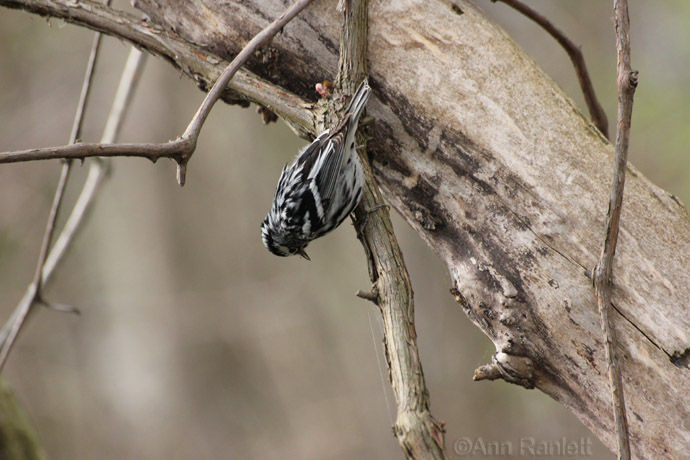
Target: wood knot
518, 370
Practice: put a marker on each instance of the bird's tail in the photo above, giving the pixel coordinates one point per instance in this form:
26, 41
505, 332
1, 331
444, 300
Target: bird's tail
359, 101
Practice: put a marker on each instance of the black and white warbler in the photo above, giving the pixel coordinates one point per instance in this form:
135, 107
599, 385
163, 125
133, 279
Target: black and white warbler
320, 188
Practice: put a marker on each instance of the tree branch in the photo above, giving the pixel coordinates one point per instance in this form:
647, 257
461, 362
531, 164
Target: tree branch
33, 294
194, 129
193, 62
627, 82
418, 433
97, 172
502, 181
179, 150
575, 53
202, 67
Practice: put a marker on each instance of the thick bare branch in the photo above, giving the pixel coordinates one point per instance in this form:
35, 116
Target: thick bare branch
419, 434
503, 178
627, 82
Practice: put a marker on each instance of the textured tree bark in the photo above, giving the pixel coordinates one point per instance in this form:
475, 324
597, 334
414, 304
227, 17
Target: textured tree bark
419, 434
507, 181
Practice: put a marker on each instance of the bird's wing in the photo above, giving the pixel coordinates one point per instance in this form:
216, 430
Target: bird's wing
333, 155
322, 160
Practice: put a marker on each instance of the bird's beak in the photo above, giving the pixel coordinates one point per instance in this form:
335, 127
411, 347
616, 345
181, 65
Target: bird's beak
303, 254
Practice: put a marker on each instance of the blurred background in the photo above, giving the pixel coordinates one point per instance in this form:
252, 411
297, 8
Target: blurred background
195, 342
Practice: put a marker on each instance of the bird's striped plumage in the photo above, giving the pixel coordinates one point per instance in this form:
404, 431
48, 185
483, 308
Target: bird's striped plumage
320, 188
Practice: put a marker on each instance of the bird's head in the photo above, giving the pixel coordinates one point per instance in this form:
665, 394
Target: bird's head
276, 241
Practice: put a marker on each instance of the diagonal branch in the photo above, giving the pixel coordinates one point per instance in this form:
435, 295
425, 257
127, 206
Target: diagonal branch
575, 53
97, 173
418, 433
627, 82
153, 39
200, 66
194, 129
33, 294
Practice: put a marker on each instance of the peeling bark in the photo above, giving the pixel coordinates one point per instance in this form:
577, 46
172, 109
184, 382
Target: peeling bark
506, 180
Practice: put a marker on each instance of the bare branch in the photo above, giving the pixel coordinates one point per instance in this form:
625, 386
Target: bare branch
33, 294
153, 39
418, 433
177, 149
99, 168
627, 82
595, 110
129, 80
180, 150
259, 39
202, 67
86, 87
97, 172
194, 128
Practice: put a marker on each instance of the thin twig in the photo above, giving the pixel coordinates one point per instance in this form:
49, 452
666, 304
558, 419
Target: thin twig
182, 148
575, 53
131, 75
75, 135
100, 167
97, 172
627, 82
173, 149
33, 295
419, 434
37, 283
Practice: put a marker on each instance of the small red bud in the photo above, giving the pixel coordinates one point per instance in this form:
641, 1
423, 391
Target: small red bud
324, 88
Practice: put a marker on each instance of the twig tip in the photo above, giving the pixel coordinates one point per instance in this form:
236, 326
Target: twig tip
371, 296
181, 172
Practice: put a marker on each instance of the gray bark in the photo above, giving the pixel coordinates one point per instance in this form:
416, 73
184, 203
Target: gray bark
504, 178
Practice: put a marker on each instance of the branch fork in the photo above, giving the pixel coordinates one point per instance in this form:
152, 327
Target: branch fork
180, 150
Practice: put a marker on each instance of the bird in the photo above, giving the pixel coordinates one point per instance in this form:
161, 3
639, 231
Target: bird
322, 186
